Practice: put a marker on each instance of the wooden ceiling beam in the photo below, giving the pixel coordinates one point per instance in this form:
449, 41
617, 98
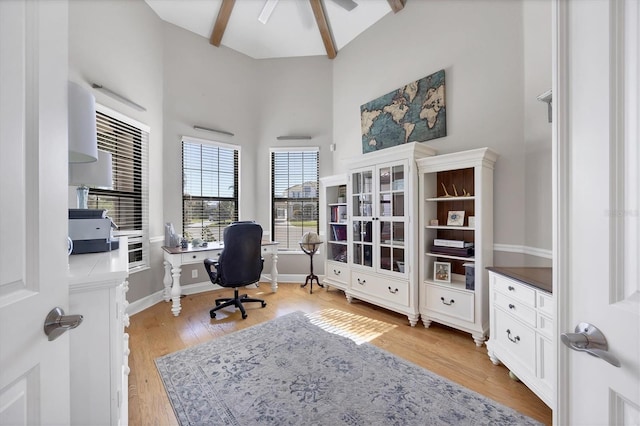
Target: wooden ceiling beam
221, 22
323, 26
396, 5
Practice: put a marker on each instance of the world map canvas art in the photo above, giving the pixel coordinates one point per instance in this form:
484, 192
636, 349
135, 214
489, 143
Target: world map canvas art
413, 113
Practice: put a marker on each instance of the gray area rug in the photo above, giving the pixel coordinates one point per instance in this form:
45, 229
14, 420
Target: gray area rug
289, 371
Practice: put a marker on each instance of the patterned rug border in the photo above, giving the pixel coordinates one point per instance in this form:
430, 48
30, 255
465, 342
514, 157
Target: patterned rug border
199, 402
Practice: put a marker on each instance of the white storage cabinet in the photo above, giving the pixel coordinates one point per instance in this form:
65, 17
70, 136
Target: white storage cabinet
457, 182
383, 228
522, 328
99, 347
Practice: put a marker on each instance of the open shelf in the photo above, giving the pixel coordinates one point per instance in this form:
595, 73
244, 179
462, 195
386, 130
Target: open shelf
451, 198
452, 228
448, 256
456, 284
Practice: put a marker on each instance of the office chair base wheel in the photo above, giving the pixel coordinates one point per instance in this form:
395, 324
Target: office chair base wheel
212, 314
264, 304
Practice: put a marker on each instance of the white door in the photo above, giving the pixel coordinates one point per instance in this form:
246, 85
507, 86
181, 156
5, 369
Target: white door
34, 372
596, 213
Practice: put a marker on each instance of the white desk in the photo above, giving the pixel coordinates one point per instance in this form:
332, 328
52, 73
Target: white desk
175, 257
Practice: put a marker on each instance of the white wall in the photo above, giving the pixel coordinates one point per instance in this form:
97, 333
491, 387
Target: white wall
537, 128
257, 100
480, 45
119, 44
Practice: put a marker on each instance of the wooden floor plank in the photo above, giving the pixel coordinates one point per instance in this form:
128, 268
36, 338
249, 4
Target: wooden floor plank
450, 353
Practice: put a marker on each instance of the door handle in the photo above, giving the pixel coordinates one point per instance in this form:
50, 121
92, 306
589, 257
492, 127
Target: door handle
57, 323
588, 338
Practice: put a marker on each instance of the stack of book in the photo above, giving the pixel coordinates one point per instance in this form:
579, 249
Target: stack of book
338, 214
452, 247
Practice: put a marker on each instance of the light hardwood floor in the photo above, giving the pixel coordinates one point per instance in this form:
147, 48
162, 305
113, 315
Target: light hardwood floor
445, 351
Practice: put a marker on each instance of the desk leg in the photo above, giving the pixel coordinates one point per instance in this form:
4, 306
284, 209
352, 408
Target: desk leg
166, 294
175, 292
274, 272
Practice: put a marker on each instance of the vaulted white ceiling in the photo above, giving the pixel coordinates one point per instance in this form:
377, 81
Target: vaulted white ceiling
291, 29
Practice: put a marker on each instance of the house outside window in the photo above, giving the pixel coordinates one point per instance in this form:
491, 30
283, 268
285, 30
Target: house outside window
127, 202
294, 195
210, 188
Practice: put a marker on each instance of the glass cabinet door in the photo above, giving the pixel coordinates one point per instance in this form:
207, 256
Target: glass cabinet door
378, 203
391, 206
362, 213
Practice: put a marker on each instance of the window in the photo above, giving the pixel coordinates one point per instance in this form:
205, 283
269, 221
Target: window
127, 203
294, 195
210, 188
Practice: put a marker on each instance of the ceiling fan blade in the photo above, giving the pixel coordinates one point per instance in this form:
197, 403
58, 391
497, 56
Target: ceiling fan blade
267, 10
346, 4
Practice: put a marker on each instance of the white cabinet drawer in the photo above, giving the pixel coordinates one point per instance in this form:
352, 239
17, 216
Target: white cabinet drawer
519, 339
515, 307
395, 291
338, 272
515, 290
449, 301
545, 303
196, 257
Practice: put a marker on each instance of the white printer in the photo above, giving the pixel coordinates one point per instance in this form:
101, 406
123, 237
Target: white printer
91, 231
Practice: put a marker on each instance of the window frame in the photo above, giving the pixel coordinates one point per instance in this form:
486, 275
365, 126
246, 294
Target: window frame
283, 246
218, 144
138, 239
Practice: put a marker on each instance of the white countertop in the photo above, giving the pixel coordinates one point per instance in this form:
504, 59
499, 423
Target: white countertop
92, 268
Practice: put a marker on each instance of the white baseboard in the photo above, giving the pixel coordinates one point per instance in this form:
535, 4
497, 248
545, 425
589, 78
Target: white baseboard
155, 298
532, 251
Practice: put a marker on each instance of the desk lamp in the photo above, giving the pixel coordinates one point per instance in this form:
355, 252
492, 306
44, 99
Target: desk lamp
83, 144
97, 174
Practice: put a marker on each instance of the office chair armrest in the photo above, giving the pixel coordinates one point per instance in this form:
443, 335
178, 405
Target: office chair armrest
213, 275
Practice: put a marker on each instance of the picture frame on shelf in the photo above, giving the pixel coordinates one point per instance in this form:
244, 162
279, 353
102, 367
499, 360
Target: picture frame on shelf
455, 218
471, 221
442, 272
433, 222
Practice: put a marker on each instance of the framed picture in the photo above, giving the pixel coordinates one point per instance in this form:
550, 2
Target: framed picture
442, 272
455, 218
434, 222
472, 221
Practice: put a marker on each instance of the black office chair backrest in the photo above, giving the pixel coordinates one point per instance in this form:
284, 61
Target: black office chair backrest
240, 262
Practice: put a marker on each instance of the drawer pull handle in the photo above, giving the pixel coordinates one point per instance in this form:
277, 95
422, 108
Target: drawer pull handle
336, 272
451, 302
362, 282
392, 291
513, 339
512, 306
511, 288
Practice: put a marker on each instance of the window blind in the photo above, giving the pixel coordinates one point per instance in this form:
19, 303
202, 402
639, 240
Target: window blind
210, 188
127, 202
294, 195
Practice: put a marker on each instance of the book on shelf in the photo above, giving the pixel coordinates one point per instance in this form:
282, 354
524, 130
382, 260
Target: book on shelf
338, 214
339, 232
453, 251
452, 243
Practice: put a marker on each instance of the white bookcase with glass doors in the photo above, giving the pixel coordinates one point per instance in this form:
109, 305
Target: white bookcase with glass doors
383, 228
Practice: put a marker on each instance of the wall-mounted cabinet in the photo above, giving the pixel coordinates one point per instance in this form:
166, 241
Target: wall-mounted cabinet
382, 232
456, 239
